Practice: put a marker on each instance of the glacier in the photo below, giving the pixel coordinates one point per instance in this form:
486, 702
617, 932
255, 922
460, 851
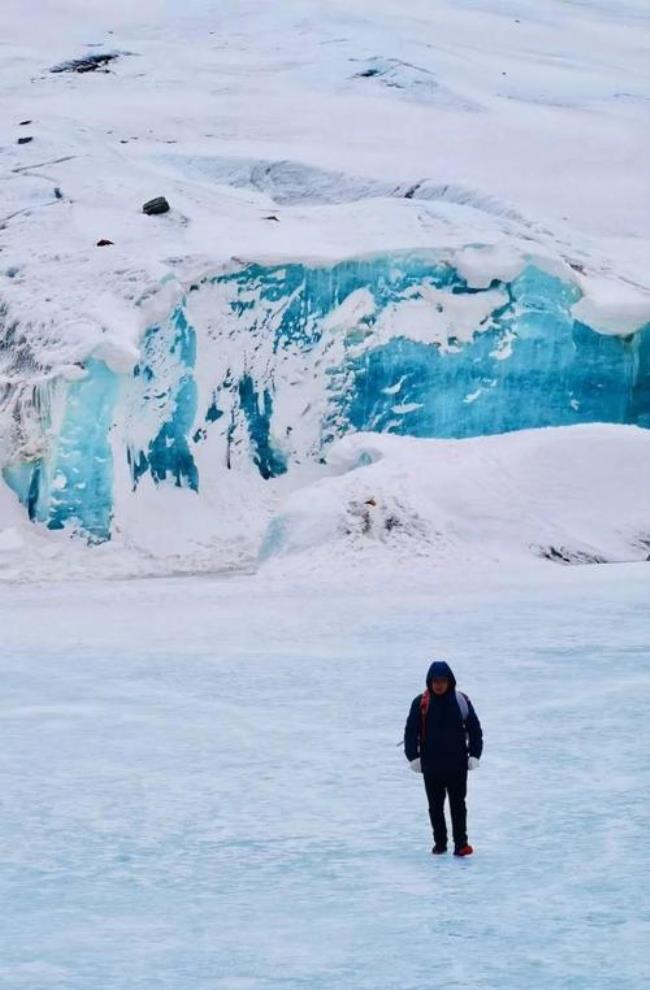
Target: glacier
262, 366
353, 402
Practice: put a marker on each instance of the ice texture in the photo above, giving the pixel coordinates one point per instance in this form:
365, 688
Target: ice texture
267, 364
203, 784
73, 481
163, 389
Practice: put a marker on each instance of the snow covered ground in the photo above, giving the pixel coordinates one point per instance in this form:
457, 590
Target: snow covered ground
199, 777
573, 495
201, 788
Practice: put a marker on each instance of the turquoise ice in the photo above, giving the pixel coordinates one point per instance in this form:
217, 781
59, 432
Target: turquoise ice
164, 379
526, 363
73, 484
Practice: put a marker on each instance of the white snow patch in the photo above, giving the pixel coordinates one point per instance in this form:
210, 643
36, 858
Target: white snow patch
480, 265
437, 316
359, 305
10, 540
394, 389
612, 307
495, 498
406, 407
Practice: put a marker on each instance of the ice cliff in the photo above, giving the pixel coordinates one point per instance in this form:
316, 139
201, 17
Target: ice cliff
430, 226
259, 367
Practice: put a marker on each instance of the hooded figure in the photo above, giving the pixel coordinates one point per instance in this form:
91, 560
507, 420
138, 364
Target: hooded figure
442, 740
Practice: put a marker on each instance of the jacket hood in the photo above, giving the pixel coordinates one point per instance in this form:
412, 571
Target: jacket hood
440, 668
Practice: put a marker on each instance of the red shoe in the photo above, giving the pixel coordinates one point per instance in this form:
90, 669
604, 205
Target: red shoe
465, 850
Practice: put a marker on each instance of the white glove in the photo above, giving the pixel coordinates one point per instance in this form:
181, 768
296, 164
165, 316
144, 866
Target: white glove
415, 765
473, 763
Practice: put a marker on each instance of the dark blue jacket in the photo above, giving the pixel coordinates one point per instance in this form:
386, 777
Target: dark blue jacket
445, 748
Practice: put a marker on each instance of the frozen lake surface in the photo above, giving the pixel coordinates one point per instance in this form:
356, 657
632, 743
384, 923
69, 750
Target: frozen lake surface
201, 788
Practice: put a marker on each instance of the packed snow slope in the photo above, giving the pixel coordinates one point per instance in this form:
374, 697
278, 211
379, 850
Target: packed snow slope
429, 223
567, 495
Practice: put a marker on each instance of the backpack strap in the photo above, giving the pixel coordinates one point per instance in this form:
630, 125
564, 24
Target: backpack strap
424, 708
462, 704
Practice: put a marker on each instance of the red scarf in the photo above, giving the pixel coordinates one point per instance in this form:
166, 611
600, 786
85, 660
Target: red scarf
424, 708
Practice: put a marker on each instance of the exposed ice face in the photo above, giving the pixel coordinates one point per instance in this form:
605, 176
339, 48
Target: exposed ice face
260, 367
72, 480
161, 400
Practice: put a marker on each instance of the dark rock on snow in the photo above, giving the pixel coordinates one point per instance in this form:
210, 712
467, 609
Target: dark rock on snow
157, 205
104, 242
89, 63
25, 140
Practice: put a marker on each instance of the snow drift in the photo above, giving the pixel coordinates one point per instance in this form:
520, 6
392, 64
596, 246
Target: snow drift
571, 495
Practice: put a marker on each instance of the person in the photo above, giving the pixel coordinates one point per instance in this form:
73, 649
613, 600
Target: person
443, 739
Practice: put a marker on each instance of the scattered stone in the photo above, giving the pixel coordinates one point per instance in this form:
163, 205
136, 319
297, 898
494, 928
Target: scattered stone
57, 193
89, 63
564, 555
25, 140
24, 123
410, 193
157, 205
104, 242
272, 217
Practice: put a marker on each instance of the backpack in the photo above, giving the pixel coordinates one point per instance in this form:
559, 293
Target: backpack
461, 700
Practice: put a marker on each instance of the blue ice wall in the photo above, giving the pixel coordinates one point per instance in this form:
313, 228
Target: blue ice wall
528, 364
164, 379
557, 372
290, 302
74, 483
257, 408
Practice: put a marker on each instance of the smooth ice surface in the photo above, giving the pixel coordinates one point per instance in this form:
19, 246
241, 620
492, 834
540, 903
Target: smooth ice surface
201, 787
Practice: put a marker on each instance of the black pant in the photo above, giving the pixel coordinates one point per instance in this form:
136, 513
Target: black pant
438, 785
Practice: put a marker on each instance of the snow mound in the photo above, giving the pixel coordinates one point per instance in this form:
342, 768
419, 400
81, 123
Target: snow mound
570, 494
